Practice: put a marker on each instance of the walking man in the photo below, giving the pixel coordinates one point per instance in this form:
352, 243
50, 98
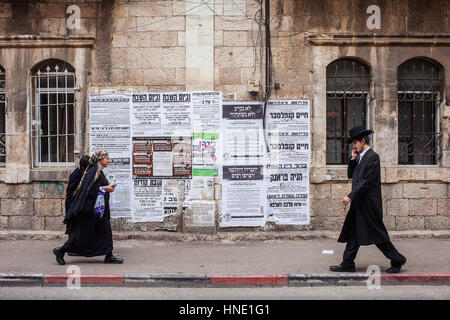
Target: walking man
364, 221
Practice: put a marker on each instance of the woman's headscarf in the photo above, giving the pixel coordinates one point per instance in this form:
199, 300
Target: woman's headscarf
98, 156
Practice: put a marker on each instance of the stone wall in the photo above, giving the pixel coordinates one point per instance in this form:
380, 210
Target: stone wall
171, 45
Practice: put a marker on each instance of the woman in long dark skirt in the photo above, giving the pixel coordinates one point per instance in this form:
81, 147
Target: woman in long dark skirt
74, 181
90, 236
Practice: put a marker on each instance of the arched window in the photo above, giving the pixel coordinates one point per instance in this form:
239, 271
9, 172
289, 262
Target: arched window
2, 116
420, 87
348, 84
53, 113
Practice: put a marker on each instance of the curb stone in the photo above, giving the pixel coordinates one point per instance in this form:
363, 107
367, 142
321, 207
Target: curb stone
220, 280
165, 280
21, 279
220, 236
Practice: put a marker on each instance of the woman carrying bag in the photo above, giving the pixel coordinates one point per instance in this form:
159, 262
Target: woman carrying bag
89, 215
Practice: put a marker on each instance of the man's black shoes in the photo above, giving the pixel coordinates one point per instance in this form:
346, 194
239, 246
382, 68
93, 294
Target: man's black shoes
112, 259
396, 269
59, 256
342, 268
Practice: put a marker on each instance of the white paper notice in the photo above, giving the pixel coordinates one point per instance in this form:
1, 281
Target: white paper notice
110, 131
287, 167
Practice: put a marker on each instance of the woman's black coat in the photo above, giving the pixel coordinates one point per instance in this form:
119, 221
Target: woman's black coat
365, 217
89, 236
74, 180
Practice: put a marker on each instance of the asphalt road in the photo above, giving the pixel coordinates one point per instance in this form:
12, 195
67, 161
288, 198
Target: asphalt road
283, 293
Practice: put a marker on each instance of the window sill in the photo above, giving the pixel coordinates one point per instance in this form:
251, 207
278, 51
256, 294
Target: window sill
50, 174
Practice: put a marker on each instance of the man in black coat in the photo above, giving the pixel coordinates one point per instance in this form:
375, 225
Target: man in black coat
364, 221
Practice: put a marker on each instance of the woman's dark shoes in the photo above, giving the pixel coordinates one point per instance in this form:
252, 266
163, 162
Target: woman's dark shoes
59, 256
112, 259
342, 268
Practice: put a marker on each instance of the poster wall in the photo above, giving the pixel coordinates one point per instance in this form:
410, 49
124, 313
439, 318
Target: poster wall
170, 148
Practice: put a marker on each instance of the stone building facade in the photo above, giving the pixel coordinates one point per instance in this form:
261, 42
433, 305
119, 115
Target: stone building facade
384, 63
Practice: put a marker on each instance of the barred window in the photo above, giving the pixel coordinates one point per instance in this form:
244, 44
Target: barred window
348, 84
2, 116
420, 87
53, 113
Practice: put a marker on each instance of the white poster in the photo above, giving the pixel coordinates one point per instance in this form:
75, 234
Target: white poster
145, 114
148, 200
243, 137
176, 114
243, 196
206, 137
202, 213
288, 165
110, 131
243, 185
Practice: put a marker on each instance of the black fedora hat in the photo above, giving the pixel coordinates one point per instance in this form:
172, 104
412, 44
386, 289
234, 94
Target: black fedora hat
358, 132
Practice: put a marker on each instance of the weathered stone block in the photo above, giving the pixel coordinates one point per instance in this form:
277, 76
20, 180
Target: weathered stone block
392, 191
389, 222
327, 208
409, 223
53, 190
237, 38
221, 24
151, 8
47, 207
7, 191
175, 57
229, 76
3, 223
437, 223
443, 207
164, 39
26, 191
54, 224
320, 191
19, 223
16, 207
425, 191
327, 223
436, 174
422, 207
397, 207
156, 23
339, 191
5, 10
37, 223
234, 57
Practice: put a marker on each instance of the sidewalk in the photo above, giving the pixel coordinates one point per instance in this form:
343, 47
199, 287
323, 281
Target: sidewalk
222, 263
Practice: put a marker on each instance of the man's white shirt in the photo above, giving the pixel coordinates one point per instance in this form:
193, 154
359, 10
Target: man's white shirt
362, 154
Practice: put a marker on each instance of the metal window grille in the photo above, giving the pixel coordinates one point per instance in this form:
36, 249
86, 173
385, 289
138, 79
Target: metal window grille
419, 92
2, 116
348, 85
53, 114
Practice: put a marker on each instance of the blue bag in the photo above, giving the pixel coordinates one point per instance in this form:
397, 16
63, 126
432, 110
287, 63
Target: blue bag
99, 207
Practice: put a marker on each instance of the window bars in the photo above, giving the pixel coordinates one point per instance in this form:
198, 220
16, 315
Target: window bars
348, 85
419, 91
53, 112
2, 116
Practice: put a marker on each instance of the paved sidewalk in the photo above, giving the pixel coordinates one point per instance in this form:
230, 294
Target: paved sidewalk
222, 263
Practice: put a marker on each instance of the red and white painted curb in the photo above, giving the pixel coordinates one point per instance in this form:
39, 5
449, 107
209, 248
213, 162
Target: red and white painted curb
219, 280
